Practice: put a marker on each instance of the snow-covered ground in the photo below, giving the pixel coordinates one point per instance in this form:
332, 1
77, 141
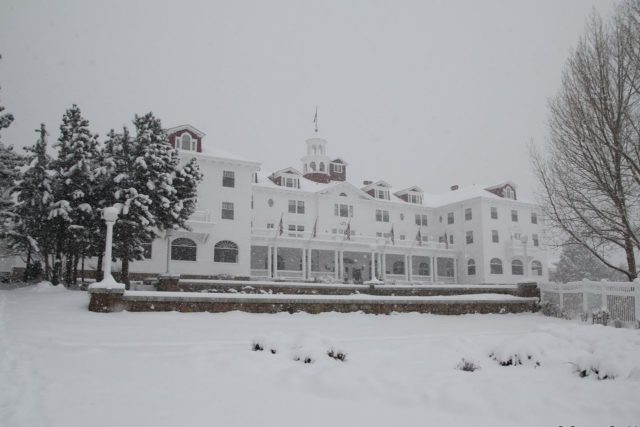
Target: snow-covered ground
61, 365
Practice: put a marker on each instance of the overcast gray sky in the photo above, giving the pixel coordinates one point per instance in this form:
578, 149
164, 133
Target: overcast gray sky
431, 93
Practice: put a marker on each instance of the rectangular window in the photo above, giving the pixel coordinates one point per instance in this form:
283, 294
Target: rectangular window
421, 219
534, 218
415, 198
469, 237
269, 225
451, 239
146, 249
514, 215
468, 214
296, 230
494, 213
337, 168
450, 218
495, 238
343, 210
296, 206
382, 215
402, 237
536, 242
228, 179
291, 182
227, 210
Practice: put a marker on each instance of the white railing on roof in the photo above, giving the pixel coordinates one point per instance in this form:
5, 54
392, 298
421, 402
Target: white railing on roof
200, 216
620, 299
358, 238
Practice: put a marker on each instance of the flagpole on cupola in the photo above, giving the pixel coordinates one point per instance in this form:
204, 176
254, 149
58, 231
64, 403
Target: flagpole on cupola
315, 119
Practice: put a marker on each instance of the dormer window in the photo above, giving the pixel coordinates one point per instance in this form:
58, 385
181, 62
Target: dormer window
415, 198
509, 193
312, 165
382, 194
321, 167
338, 168
290, 182
187, 143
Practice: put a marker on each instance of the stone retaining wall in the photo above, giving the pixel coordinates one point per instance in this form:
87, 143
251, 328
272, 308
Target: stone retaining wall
173, 284
111, 300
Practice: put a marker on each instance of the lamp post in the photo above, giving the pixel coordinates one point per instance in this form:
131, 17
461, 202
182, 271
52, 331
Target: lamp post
110, 215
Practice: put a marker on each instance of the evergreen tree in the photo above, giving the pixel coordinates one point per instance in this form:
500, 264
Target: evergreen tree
9, 163
72, 210
136, 222
577, 263
32, 232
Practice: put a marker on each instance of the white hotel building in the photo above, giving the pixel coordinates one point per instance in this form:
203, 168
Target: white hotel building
333, 230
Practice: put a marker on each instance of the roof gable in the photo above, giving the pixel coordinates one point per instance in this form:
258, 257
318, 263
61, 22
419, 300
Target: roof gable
190, 128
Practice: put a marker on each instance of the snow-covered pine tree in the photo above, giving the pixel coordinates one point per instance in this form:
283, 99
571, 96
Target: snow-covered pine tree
136, 223
32, 231
10, 161
577, 263
73, 187
186, 182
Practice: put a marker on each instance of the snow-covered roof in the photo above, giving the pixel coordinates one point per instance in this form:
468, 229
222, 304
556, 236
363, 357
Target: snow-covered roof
502, 184
414, 188
222, 154
190, 128
380, 183
339, 160
459, 195
290, 170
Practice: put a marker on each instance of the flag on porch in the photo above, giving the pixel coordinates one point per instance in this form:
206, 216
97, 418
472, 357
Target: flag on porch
347, 232
393, 236
280, 227
419, 237
315, 229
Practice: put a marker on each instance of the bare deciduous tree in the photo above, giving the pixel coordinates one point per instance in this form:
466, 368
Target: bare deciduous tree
590, 172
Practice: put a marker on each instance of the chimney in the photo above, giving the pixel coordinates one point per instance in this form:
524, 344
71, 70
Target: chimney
367, 182
454, 187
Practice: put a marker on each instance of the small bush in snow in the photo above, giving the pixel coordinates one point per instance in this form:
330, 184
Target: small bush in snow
600, 317
552, 310
337, 355
256, 346
514, 359
467, 365
618, 323
306, 359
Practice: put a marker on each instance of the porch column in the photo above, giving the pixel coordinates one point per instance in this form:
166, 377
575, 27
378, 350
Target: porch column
269, 261
341, 265
410, 268
275, 262
384, 265
304, 264
373, 265
435, 269
455, 270
406, 268
336, 269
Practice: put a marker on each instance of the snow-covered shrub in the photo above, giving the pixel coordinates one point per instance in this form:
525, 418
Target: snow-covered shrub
552, 310
337, 355
600, 317
467, 365
256, 346
524, 350
597, 366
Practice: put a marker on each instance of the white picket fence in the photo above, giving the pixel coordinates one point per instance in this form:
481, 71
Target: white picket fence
620, 299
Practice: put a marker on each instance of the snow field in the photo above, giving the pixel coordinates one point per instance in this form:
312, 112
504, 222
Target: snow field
61, 365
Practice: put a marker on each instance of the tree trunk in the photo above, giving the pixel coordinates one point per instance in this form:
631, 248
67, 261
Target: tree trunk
631, 260
125, 266
27, 270
82, 269
47, 266
75, 269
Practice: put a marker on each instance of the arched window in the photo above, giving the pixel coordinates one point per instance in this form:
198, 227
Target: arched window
423, 269
496, 266
225, 251
313, 166
183, 249
517, 268
471, 267
315, 150
321, 168
536, 268
343, 194
398, 267
185, 142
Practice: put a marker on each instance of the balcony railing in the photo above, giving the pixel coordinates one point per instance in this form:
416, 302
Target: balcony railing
200, 216
330, 237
